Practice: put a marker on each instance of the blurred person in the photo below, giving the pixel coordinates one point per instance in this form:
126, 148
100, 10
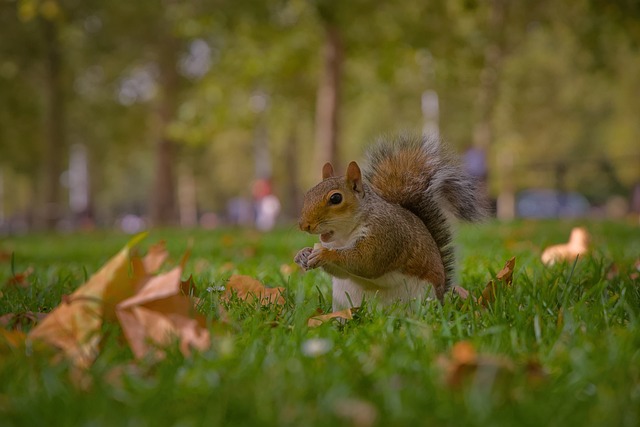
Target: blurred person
475, 163
239, 211
267, 205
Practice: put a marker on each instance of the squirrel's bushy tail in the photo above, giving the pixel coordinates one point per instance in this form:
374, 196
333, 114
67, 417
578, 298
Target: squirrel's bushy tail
423, 176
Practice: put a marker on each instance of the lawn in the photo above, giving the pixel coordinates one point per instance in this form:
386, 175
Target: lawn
559, 347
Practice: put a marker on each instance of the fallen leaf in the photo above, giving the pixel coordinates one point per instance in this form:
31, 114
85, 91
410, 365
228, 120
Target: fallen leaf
20, 279
504, 276
12, 339
488, 294
464, 352
19, 321
356, 412
462, 292
578, 245
315, 321
155, 257
152, 310
161, 312
248, 288
5, 256
75, 326
612, 272
466, 364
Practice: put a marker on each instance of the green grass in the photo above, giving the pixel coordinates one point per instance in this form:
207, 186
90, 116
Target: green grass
580, 327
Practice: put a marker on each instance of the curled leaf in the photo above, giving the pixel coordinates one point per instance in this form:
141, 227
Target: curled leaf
504, 278
74, 327
161, 312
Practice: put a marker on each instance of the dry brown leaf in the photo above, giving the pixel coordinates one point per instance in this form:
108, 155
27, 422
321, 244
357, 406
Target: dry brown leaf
156, 256
578, 245
12, 339
152, 310
160, 313
506, 274
612, 272
315, 321
248, 288
488, 294
356, 412
462, 292
5, 256
20, 320
20, 279
465, 364
504, 278
464, 352
74, 326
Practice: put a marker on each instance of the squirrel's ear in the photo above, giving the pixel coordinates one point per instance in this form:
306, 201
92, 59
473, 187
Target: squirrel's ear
327, 171
354, 177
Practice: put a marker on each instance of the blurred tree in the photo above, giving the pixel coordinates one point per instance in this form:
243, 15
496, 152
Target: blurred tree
156, 88
329, 86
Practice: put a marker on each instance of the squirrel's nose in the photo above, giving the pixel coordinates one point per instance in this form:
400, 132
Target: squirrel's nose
304, 226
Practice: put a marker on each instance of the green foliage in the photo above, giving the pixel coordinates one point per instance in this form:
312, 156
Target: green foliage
579, 325
566, 87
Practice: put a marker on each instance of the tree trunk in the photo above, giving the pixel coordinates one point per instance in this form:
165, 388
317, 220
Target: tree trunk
489, 76
483, 132
163, 201
54, 130
294, 203
328, 99
187, 197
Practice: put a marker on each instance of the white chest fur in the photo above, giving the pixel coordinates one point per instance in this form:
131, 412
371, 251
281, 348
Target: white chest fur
386, 289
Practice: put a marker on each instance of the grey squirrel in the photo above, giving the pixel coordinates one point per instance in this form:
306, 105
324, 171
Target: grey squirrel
386, 233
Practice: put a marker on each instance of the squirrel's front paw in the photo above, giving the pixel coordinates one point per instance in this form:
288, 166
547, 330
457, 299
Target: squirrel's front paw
319, 257
302, 258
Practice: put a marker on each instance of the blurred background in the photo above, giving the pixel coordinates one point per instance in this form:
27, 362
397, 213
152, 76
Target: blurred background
132, 114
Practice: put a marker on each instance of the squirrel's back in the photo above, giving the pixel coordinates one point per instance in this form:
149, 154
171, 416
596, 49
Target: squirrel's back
423, 176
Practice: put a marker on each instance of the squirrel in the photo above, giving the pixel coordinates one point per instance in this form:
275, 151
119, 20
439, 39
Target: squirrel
386, 232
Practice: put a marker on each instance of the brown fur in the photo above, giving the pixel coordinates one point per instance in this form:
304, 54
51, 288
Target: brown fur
391, 219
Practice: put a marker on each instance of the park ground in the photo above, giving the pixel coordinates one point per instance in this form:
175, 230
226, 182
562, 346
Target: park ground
560, 346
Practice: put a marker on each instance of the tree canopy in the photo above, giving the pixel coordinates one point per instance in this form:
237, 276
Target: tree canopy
163, 93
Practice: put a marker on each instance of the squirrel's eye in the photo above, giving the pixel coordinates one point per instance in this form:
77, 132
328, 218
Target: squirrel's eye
335, 198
